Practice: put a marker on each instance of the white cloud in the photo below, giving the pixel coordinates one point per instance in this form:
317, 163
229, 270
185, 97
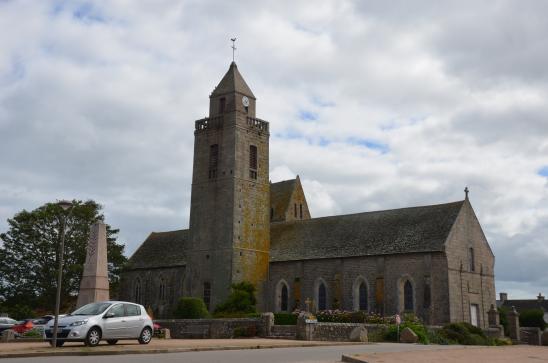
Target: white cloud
411, 103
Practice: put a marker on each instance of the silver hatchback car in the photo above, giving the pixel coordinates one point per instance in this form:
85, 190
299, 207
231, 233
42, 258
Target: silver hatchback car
105, 320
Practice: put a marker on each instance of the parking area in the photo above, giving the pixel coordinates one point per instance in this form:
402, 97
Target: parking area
155, 346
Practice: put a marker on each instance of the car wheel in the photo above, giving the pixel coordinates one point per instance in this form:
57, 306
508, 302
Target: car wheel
146, 336
112, 341
59, 343
93, 337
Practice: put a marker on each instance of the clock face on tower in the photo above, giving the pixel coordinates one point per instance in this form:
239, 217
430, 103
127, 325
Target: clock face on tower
245, 101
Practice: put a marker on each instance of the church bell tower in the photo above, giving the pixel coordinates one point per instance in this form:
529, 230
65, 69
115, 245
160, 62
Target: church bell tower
229, 212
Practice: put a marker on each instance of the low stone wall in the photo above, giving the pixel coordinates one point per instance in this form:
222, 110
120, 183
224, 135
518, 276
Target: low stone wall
335, 331
494, 331
212, 328
284, 330
376, 332
545, 337
531, 336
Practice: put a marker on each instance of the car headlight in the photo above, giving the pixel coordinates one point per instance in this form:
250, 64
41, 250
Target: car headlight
78, 323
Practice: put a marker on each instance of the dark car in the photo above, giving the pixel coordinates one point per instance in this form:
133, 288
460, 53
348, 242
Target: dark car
6, 323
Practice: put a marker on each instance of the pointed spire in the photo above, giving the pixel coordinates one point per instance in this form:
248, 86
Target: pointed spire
232, 82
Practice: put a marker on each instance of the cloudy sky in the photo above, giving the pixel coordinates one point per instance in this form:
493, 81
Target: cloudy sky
376, 105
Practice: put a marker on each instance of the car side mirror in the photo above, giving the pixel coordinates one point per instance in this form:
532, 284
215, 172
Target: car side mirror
108, 315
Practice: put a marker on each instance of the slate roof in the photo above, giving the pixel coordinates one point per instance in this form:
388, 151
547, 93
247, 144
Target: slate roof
161, 249
280, 195
416, 229
526, 304
232, 82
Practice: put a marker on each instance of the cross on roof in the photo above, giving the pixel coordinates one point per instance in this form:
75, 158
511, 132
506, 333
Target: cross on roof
233, 47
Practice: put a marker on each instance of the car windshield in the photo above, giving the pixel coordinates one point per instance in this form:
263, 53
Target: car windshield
92, 309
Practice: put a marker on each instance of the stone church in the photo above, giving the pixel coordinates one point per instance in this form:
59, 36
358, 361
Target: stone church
432, 260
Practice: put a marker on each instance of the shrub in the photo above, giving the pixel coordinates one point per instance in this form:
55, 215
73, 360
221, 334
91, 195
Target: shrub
343, 316
466, 334
191, 308
436, 338
241, 300
20, 312
532, 318
234, 315
285, 319
503, 318
33, 333
417, 327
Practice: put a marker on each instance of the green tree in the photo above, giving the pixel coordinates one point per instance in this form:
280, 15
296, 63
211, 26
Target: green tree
28, 272
240, 301
191, 308
532, 318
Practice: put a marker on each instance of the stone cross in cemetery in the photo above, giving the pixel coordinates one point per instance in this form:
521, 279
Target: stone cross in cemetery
94, 285
308, 304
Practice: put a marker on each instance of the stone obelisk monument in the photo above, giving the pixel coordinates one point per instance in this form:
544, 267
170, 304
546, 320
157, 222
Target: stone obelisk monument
94, 285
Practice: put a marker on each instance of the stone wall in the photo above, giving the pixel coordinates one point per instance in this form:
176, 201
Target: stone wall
469, 286
424, 270
334, 332
149, 280
211, 328
531, 336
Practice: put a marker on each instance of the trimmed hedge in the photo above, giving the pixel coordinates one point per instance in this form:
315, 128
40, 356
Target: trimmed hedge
532, 318
285, 319
191, 308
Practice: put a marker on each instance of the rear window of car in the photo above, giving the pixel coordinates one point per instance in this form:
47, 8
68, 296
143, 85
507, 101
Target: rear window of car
132, 310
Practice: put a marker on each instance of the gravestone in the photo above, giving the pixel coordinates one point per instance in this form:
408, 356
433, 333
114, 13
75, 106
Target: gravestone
94, 285
493, 316
408, 336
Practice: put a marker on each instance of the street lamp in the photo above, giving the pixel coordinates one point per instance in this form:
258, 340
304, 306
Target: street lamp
65, 205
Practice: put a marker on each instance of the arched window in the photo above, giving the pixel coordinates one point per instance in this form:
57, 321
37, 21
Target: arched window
281, 302
137, 291
408, 296
362, 292
322, 297
284, 303
360, 298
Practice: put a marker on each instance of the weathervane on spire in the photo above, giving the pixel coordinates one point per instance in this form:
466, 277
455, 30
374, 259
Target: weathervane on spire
233, 47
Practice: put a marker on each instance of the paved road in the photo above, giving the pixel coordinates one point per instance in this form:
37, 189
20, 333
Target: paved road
277, 355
